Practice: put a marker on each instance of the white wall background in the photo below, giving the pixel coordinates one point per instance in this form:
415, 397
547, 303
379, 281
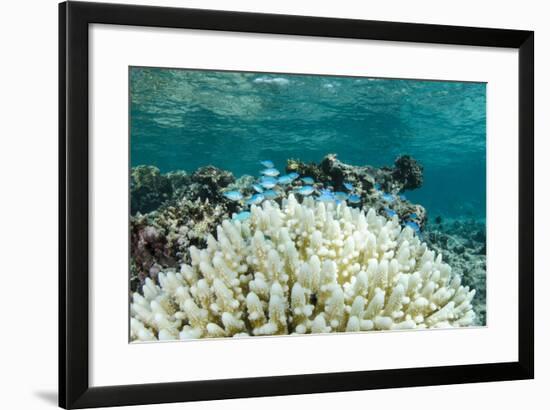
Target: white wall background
28, 201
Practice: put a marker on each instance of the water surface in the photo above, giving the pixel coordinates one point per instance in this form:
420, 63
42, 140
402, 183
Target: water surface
185, 119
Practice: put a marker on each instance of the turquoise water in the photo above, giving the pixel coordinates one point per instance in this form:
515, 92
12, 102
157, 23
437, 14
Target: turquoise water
185, 119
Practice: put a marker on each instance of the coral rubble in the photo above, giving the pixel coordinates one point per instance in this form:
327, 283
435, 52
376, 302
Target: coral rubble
309, 267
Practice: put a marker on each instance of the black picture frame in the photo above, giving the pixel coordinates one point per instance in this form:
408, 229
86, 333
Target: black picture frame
74, 21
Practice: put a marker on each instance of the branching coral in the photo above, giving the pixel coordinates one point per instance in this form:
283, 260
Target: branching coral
303, 268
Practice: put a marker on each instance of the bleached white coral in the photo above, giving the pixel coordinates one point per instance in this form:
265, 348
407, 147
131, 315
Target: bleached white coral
312, 267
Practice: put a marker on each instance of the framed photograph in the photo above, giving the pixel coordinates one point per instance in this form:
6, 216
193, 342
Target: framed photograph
256, 204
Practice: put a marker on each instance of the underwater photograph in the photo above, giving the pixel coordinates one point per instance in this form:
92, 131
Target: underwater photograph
270, 204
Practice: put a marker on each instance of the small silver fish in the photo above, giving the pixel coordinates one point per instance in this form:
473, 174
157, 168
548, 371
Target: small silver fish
340, 196
233, 195
255, 199
390, 212
285, 180
348, 186
267, 163
268, 182
293, 175
308, 180
270, 194
270, 172
326, 195
268, 185
306, 190
241, 216
258, 188
414, 226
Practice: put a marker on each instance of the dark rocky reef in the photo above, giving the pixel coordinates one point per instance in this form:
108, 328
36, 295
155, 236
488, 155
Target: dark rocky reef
462, 244
406, 174
339, 172
207, 182
377, 187
310, 169
149, 189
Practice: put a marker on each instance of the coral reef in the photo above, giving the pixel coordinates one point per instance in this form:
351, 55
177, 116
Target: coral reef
311, 169
173, 211
161, 239
309, 267
242, 184
463, 245
149, 188
408, 174
207, 182
378, 188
